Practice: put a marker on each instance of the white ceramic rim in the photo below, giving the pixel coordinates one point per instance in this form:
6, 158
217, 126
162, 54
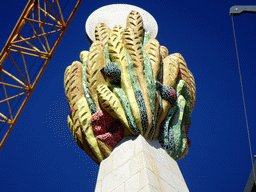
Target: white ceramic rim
117, 14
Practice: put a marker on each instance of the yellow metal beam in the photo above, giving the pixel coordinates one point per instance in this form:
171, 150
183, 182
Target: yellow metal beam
49, 24
18, 42
13, 77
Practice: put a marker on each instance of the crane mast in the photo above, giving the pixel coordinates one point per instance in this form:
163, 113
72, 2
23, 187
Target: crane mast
33, 41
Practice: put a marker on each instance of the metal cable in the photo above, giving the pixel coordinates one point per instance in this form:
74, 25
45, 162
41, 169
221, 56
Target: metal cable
240, 75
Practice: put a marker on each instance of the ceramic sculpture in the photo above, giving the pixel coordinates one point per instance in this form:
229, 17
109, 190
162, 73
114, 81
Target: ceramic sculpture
128, 84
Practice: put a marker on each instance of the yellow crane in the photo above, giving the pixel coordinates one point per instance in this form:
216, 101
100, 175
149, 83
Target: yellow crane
33, 40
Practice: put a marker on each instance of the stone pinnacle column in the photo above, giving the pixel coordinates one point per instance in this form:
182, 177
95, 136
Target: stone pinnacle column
137, 164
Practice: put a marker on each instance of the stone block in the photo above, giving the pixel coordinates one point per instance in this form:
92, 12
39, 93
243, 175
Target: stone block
139, 165
106, 168
123, 153
165, 186
98, 186
174, 167
148, 188
119, 189
133, 184
141, 145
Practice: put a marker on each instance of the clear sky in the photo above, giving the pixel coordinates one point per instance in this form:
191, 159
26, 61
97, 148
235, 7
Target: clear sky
40, 154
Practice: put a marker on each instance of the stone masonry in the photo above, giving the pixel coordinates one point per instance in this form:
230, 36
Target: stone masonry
139, 165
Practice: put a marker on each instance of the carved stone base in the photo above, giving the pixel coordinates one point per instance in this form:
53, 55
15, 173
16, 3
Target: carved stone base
137, 164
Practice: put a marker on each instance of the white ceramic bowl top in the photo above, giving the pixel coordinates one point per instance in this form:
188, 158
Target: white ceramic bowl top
117, 14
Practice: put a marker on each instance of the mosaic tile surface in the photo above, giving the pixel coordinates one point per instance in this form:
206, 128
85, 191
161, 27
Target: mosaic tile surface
127, 84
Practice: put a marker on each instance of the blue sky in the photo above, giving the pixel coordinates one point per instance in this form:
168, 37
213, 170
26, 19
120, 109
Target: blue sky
40, 154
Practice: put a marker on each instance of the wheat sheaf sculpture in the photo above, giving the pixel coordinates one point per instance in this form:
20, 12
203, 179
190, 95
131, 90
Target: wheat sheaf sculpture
126, 85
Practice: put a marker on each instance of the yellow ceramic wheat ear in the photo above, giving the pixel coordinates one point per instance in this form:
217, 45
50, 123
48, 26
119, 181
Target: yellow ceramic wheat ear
95, 62
152, 49
135, 22
84, 116
116, 46
70, 81
105, 149
186, 75
113, 106
79, 121
84, 146
102, 33
83, 56
164, 51
66, 82
73, 83
133, 46
170, 70
192, 89
117, 55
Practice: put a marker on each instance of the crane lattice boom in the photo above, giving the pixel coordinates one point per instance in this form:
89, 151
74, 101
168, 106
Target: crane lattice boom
32, 42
